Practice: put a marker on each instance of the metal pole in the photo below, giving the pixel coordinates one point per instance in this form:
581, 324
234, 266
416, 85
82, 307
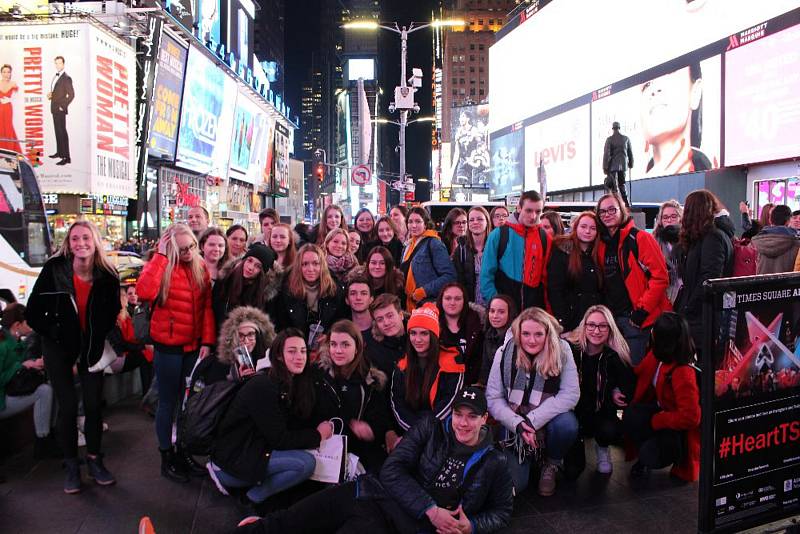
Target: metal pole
403, 113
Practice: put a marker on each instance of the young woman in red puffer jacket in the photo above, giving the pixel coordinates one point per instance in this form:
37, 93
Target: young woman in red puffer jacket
177, 285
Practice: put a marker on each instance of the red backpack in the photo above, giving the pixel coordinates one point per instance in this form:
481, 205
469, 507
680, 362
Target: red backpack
745, 257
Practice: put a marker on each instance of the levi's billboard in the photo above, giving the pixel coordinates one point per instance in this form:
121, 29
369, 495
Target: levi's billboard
73, 98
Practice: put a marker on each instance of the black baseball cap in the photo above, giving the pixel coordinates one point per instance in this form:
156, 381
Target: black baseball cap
473, 398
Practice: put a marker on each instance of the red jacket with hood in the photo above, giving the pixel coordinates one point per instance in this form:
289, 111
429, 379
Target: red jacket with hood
647, 292
185, 319
677, 393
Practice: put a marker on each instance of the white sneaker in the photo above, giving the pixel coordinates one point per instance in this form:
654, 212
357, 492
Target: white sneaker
81, 439
604, 464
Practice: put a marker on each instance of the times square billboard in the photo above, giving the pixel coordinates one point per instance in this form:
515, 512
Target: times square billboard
666, 93
72, 98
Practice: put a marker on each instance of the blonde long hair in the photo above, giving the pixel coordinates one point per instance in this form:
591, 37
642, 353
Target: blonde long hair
100, 259
197, 266
548, 362
327, 287
615, 341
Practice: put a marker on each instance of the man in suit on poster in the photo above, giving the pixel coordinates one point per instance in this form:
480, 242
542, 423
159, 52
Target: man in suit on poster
61, 95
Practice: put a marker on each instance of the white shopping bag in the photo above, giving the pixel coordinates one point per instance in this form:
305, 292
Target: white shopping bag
331, 456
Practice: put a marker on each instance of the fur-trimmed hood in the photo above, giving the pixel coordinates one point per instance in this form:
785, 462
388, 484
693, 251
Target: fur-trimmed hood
274, 276
227, 337
375, 377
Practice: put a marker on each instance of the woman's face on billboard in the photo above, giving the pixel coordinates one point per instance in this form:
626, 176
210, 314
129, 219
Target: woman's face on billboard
667, 105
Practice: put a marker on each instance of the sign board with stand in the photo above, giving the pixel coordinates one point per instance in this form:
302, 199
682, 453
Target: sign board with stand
750, 398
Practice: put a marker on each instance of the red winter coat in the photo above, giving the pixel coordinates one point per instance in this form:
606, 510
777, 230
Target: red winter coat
679, 399
185, 319
646, 293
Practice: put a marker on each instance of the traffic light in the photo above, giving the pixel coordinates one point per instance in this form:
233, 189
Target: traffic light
319, 170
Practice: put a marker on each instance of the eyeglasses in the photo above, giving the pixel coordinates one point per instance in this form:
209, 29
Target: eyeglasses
184, 250
600, 327
673, 217
609, 211
249, 336
460, 223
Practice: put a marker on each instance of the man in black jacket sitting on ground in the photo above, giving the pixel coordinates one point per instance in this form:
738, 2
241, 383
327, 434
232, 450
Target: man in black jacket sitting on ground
444, 476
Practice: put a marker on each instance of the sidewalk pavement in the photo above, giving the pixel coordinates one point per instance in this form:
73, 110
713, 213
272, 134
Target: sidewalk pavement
32, 499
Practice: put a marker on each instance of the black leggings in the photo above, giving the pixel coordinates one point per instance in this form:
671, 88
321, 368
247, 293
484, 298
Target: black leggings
604, 427
336, 509
59, 370
657, 448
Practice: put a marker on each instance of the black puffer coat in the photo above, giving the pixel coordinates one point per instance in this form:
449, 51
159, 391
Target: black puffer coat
569, 297
411, 468
53, 314
464, 262
290, 311
710, 257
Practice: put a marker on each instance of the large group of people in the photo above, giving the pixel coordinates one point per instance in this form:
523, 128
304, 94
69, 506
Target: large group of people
459, 364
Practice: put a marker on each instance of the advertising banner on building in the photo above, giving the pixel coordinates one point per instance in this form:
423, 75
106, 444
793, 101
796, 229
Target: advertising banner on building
241, 27
470, 160
560, 145
281, 160
166, 102
73, 98
508, 164
209, 101
249, 145
750, 465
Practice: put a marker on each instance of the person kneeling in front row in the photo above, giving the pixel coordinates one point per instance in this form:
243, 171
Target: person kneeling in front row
444, 476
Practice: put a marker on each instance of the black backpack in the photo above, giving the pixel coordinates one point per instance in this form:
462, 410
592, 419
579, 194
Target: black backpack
202, 415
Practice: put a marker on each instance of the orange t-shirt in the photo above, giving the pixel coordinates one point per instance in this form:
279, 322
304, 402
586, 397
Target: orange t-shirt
82, 290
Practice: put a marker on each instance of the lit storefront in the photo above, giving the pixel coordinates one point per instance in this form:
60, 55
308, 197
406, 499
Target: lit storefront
107, 212
179, 192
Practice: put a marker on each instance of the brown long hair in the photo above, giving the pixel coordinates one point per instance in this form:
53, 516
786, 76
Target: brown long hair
448, 237
388, 220
698, 209
574, 266
418, 381
482, 211
291, 248
392, 280
241, 292
322, 227
625, 216
296, 285
300, 387
462, 317
213, 230
359, 364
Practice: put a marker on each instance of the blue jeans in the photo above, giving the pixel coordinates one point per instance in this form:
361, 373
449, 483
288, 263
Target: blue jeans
560, 433
42, 402
636, 337
171, 373
284, 470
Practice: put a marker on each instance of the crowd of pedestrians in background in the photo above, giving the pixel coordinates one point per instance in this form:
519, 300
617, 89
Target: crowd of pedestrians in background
461, 364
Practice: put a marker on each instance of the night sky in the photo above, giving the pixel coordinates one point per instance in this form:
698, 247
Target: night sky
302, 29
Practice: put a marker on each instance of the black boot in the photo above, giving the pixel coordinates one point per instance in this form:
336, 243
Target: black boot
189, 464
72, 482
171, 467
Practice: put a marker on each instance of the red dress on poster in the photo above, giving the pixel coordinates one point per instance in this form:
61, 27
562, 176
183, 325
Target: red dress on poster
6, 121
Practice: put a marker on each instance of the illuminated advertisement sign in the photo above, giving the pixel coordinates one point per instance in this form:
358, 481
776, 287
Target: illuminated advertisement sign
250, 146
762, 99
72, 97
561, 145
209, 100
470, 141
166, 103
281, 159
508, 163
672, 120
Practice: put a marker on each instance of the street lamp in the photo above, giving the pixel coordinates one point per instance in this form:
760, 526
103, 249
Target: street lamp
409, 123
403, 95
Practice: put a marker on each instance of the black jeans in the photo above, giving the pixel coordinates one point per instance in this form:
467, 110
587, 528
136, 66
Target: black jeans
604, 427
657, 448
59, 370
336, 509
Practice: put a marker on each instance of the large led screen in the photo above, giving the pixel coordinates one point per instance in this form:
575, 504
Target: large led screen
673, 122
249, 145
166, 103
470, 160
762, 99
572, 47
561, 144
209, 100
72, 96
508, 164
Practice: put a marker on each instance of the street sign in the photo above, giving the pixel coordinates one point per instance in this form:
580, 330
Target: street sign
409, 196
361, 175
